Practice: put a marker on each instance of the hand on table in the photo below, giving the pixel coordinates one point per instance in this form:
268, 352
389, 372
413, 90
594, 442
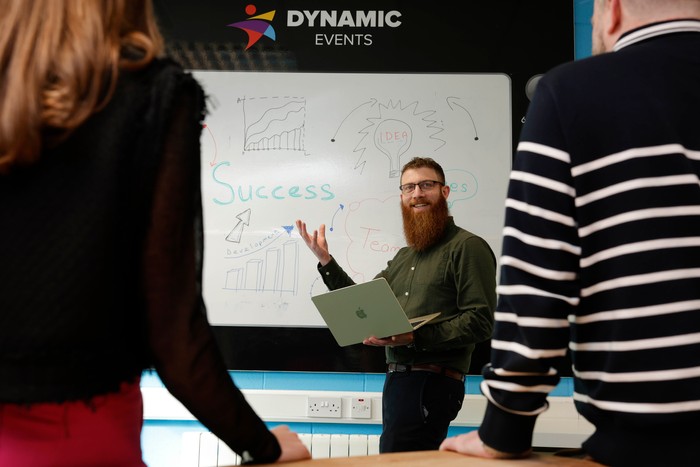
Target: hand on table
292, 447
471, 445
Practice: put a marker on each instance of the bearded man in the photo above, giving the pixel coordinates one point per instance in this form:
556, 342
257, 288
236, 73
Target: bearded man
444, 268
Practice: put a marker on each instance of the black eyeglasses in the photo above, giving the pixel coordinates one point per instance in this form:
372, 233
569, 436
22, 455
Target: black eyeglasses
425, 185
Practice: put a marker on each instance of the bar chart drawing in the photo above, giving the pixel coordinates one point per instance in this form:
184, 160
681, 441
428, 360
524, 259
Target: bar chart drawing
276, 272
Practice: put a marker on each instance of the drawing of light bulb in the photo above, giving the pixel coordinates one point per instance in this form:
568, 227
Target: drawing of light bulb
393, 138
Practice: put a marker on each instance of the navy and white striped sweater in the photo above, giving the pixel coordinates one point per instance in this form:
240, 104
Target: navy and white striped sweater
601, 253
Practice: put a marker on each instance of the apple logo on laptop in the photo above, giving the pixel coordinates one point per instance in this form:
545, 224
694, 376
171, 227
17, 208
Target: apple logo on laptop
361, 313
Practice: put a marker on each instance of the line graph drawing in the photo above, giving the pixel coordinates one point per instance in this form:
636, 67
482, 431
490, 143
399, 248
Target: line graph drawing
274, 123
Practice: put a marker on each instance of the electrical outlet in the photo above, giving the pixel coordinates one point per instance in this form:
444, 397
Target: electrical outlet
361, 408
324, 407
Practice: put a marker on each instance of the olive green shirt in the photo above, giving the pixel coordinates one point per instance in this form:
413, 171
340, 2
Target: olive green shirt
457, 277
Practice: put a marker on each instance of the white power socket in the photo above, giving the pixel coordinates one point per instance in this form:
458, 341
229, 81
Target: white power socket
361, 407
329, 407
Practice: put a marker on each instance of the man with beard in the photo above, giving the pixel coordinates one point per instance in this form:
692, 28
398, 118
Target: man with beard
601, 250
444, 268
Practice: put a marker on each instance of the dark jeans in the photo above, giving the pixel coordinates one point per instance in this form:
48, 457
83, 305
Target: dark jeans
417, 408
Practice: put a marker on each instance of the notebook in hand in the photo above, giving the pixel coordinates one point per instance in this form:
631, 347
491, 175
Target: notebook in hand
369, 309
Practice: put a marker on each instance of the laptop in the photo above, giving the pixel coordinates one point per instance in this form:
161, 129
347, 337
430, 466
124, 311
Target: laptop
368, 309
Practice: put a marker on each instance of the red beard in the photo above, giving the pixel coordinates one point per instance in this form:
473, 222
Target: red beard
424, 229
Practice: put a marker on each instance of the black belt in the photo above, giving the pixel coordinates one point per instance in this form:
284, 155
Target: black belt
441, 370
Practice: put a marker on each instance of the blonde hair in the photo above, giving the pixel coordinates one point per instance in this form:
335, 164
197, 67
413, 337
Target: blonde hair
59, 62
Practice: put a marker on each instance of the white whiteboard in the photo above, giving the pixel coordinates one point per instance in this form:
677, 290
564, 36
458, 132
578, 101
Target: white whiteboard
328, 148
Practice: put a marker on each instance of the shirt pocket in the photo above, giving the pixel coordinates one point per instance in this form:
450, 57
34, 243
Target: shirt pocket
431, 271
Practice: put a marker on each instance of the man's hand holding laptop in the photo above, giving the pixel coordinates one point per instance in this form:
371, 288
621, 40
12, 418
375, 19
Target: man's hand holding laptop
391, 341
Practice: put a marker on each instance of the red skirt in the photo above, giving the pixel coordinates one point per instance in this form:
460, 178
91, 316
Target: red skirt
106, 431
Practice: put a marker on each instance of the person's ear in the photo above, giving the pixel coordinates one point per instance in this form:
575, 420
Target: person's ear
445, 191
614, 17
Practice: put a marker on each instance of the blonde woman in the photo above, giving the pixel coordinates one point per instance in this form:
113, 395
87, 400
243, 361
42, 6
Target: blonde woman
100, 245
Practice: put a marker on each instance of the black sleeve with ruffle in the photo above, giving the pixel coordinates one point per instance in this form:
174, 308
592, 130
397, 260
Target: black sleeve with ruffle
183, 348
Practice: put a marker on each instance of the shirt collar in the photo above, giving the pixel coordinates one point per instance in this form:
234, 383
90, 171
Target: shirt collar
656, 29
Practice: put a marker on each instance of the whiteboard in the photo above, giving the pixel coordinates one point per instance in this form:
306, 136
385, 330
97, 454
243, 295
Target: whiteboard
328, 148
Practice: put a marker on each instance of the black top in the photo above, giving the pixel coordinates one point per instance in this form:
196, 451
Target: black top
101, 261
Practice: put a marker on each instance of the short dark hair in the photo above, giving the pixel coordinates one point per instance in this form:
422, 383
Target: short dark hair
420, 162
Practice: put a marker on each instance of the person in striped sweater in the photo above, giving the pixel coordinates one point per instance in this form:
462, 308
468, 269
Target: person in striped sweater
600, 269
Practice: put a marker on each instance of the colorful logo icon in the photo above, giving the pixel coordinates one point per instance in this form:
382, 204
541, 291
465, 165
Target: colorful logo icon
256, 26
361, 313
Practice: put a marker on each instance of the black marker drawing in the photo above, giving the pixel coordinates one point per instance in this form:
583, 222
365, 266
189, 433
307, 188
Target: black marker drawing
237, 231
393, 129
276, 270
372, 102
452, 101
274, 123
261, 264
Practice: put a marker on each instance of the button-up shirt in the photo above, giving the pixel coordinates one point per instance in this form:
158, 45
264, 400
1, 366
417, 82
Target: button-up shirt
457, 277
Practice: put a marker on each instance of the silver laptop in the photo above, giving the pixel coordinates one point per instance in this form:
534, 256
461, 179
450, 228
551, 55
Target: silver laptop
369, 309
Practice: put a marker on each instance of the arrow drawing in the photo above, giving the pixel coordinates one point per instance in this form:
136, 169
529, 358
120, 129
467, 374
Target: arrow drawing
371, 103
340, 208
216, 151
236, 233
452, 100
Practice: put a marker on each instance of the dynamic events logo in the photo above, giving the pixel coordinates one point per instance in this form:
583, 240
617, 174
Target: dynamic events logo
256, 26
359, 22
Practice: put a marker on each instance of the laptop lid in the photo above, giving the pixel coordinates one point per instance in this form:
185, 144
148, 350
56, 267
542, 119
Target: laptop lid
368, 309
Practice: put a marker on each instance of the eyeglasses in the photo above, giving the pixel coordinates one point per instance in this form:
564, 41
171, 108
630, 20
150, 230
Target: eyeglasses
425, 185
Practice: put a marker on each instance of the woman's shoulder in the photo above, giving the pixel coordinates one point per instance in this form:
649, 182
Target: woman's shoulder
161, 84
160, 76
163, 72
